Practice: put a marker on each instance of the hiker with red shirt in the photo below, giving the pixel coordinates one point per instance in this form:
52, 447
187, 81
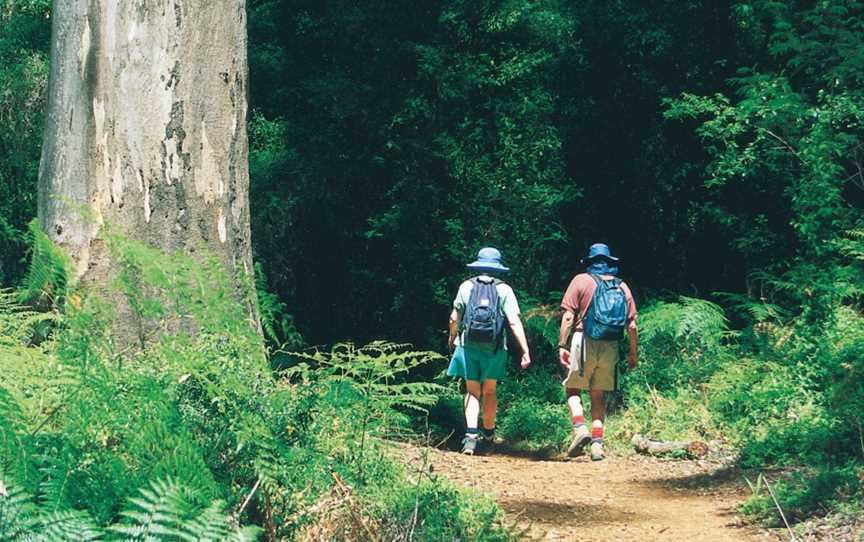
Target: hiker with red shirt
598, 307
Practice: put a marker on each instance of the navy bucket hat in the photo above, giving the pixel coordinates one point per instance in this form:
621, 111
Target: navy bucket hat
598, 251
489, 260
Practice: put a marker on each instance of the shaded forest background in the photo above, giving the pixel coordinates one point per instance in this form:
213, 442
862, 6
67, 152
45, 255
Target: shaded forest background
715, 146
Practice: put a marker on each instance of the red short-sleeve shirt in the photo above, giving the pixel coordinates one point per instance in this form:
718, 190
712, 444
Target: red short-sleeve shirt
579, 293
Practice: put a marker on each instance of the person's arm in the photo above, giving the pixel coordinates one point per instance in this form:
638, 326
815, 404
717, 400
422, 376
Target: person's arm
453, 326
633, 355
564, 336
632, 329
519, 334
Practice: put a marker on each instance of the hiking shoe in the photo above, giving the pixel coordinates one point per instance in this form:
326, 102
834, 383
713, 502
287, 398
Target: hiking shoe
469, 445
488, 439
581, 437
597, 451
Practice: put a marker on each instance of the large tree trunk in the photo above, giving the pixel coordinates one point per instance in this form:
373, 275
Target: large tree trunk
146, 131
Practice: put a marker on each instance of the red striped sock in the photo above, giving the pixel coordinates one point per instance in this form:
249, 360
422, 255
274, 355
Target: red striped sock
578, 421
596, 434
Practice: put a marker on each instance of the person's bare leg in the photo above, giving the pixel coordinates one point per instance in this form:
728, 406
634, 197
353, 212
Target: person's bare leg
490, 403
581, 437
598, 414
598, 405
472, 415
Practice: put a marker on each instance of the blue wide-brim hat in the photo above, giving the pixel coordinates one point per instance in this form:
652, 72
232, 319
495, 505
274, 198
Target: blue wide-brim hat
488, 259
599, 250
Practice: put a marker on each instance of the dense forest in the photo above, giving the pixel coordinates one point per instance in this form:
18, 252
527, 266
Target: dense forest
717, 147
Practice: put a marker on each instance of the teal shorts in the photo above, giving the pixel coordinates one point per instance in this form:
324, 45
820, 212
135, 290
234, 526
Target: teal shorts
472, 363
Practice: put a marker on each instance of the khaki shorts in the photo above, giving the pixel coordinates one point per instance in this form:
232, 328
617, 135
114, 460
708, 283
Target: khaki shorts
600, 360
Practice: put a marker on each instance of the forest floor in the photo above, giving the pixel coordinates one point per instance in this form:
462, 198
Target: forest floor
619, 499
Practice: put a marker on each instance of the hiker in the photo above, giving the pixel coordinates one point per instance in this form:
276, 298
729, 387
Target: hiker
479, 344
598, 307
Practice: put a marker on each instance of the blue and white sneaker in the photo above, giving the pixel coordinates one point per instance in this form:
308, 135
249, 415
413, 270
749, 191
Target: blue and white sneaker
469, 445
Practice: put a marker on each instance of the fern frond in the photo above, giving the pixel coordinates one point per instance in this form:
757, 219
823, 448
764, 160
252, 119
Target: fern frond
56, 470
67, 526
10, 412
167, 510
161, 509
17, 512
49, 266
691, 321
17, 323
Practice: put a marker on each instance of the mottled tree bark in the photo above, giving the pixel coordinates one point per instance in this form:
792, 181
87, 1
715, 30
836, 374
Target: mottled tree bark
146, 128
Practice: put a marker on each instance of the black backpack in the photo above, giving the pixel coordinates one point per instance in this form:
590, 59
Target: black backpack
484, 320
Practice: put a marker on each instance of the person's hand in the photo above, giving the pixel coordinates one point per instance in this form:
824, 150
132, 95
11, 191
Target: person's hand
632, 359
451, 343
526, 360
564, 357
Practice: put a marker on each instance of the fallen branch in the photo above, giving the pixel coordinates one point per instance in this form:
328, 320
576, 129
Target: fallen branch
647, 446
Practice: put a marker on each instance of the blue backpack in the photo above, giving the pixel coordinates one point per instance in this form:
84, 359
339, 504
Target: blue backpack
484, 321
607, 314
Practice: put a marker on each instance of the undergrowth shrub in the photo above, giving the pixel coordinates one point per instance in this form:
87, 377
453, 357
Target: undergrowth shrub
196, 421
806, 492
534, 416
678, 414
536, 426
446, 513
773, 412
165, 510
680, 343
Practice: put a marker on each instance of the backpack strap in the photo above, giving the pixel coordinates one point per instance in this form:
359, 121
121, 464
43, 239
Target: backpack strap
600, 280
465, 321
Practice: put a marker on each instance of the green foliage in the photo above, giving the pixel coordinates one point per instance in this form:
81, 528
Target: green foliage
168, 511
805, 493
679, 343
675, 414
25, 32
537, 426
161, 443
791, 139
446, 512
50, 269
789, 396
277, 324
372, 378
19, 324
164, 512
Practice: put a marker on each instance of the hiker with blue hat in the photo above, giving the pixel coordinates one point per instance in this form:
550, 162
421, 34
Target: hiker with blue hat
598, 308
483, 305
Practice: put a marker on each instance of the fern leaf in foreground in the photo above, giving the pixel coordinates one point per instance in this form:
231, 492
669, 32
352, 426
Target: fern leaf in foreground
168, 511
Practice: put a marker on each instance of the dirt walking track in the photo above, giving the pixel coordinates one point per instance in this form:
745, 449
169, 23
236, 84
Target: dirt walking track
619, 499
